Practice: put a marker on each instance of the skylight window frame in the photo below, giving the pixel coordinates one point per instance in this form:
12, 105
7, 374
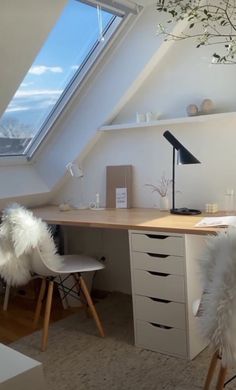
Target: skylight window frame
89, 65
117, 8
72, 88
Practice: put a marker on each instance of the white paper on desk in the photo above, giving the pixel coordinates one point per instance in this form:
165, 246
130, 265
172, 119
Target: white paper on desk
229, 220
121, 198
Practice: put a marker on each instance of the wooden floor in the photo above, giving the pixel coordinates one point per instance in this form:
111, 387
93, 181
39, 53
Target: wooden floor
17, 321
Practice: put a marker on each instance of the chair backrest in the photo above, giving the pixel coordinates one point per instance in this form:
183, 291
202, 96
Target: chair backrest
39, 264
218, 304
26, 246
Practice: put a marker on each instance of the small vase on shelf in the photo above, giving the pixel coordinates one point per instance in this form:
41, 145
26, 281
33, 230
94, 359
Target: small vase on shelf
164, 203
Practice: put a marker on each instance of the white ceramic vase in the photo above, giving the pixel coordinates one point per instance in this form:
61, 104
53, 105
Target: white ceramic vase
164, 203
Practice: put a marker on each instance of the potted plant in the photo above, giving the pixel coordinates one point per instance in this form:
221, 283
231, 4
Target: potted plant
162, 188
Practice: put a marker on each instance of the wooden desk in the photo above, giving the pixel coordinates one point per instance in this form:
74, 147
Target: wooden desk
135, 218
165, 276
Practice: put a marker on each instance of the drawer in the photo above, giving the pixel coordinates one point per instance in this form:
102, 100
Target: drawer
157, 243
161, 263
171, 341
161, 312
163, 286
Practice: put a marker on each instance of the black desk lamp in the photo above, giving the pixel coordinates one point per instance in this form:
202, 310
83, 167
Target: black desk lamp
183, 157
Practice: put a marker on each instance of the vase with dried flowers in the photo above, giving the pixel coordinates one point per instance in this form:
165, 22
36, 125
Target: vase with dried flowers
162, 188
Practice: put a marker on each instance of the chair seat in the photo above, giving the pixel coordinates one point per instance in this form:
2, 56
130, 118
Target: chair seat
78, 263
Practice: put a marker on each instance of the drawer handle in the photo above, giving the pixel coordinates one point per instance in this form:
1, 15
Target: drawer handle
161, 326
157, 236
157, 255
158, 273
159, 300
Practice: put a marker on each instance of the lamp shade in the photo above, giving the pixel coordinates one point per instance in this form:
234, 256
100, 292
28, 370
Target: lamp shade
185, 157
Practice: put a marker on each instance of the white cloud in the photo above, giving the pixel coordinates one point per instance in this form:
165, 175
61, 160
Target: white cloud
74, 67
25, 100
41, 69
17, 108
26, 84
37, 92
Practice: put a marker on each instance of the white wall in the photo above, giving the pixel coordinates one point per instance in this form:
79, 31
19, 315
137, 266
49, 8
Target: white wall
183, 76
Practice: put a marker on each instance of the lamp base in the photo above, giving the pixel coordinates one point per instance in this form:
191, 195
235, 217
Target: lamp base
185, 211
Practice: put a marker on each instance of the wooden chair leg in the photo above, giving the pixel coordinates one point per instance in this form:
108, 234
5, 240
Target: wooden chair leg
221, 378
47, 316
77, 286
211, 371
6, 297
91, 306
39, 303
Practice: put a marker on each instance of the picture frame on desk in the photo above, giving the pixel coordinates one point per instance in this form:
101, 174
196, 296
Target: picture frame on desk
119, 186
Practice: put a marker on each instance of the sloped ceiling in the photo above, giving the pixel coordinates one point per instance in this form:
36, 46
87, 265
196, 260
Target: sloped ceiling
24, 26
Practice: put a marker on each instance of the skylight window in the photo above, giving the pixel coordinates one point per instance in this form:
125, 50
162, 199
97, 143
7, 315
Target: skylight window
81, 31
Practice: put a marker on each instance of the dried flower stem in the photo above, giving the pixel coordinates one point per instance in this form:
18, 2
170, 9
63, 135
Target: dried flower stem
161, 187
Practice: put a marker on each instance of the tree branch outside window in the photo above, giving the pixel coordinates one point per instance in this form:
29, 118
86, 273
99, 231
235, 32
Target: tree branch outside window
209, 23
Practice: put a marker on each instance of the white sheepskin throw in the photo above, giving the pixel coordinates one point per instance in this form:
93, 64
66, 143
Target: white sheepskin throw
20, 233
218, 305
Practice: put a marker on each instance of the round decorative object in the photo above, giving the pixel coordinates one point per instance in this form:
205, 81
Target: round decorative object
207, 106
192, 110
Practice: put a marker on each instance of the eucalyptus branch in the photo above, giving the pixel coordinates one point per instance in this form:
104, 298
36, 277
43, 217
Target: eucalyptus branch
216, 23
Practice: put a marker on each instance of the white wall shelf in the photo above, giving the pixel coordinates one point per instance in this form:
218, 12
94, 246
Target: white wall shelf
170, 121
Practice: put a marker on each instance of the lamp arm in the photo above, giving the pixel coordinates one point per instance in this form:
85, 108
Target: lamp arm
173, 179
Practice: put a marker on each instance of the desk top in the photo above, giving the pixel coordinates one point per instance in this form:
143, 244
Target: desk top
135, 218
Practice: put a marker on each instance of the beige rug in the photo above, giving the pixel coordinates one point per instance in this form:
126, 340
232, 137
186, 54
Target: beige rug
78, 359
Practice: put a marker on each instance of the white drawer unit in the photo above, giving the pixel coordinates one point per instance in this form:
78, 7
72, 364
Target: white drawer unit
164, 285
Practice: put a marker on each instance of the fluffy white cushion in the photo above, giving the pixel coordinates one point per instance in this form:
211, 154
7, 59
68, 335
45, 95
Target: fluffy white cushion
20, 233
218, 319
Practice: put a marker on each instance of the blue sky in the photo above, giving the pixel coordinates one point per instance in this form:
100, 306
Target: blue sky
68, 43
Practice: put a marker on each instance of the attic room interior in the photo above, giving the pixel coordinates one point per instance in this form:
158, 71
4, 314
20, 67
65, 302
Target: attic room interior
118, 208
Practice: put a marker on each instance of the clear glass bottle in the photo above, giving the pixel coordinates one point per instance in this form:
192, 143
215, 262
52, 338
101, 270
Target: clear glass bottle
97, 201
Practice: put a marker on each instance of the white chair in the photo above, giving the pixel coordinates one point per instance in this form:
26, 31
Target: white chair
27, 250
217, 310
74, 265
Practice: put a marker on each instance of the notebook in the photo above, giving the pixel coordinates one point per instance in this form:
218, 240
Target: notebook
229, 220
